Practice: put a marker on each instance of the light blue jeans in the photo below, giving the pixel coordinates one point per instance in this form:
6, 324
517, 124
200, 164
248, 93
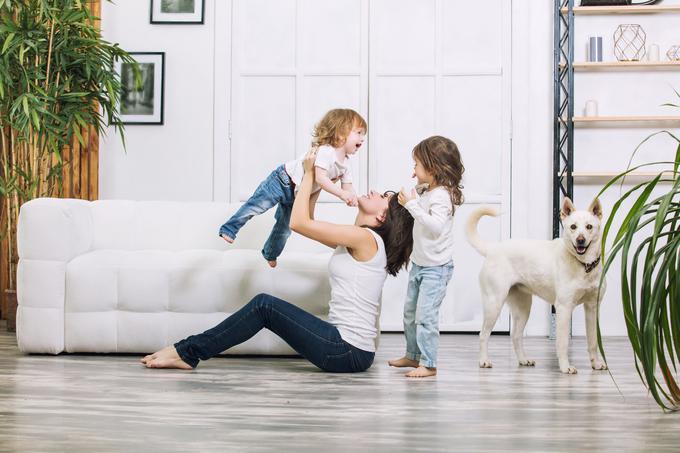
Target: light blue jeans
426, 291
276, 189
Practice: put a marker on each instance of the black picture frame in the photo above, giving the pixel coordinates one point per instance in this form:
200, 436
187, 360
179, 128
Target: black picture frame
143, 106
156, 16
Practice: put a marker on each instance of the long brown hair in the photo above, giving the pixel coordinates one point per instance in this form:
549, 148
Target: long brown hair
396, 232
440, 158
335, 126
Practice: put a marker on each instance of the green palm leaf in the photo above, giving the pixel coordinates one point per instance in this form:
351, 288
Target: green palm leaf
647, 241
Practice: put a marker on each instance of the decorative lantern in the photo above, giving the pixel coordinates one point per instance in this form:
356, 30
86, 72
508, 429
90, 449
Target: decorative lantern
629, 42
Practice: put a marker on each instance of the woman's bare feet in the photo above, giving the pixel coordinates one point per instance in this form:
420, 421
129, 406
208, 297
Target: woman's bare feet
272, 263
403, 362
227, 238
165, 358
422, 371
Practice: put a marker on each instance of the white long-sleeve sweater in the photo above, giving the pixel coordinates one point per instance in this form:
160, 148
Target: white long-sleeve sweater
433, 227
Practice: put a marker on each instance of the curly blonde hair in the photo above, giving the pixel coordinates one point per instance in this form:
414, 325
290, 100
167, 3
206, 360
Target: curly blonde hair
440, 158
335, 126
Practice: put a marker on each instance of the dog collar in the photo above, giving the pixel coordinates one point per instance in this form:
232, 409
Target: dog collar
590, 266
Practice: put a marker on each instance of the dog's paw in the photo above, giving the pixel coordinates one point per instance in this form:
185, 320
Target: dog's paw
597, 365
485, 364
569, 370
527, 363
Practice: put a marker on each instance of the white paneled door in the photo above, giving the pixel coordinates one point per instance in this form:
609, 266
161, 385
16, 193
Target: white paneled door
443, 67
292, 60
413, 68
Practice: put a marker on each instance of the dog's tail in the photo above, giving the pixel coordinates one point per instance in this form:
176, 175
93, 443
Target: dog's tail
471, 228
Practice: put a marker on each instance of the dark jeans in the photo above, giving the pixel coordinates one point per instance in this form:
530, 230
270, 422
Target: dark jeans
315, 339
276, 189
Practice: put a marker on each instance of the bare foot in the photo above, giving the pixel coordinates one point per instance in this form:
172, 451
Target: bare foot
403, 362
227, 238
422, 371
165, 358
272, 263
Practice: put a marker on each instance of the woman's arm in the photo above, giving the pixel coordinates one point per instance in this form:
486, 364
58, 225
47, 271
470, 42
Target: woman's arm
353, 237
312, 203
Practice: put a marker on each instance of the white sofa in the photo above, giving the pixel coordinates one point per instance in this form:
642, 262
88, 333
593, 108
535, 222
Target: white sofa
126, 276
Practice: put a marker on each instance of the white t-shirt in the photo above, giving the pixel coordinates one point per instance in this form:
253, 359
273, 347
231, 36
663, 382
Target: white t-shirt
326, 158
433, 227
356, 295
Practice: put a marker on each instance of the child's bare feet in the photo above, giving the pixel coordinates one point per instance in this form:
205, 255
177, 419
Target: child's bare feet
422, 371
272, 263
227, 238
165, 358
403, 362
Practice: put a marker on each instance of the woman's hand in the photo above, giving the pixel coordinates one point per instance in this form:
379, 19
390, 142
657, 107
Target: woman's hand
404, 197
308, 161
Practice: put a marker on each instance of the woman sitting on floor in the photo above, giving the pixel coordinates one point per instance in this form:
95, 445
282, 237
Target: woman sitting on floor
378, 243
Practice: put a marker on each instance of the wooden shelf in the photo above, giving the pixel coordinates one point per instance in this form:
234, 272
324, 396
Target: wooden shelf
644, 9
626, 119
610, 175
625, 65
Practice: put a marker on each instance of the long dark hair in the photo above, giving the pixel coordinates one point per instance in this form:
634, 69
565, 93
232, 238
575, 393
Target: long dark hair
440, 158
396, 232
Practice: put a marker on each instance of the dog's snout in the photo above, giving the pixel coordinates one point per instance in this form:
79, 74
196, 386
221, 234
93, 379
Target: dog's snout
580, 240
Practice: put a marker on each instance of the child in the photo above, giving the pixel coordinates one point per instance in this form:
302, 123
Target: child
339, 134
439, 170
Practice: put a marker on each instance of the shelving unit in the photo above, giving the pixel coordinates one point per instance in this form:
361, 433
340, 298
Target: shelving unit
564, 120
564, 66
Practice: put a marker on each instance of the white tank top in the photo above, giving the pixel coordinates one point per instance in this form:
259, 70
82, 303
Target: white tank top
356, 295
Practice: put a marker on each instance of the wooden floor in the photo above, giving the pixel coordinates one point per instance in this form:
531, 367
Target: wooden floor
110, 403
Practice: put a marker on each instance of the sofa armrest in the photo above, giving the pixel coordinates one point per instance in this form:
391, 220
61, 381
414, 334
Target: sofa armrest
50, 233
54, 229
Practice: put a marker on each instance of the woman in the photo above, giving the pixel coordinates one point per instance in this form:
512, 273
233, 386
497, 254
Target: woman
378, 243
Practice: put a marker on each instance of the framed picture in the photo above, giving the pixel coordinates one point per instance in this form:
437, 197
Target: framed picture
141, 101
177, 11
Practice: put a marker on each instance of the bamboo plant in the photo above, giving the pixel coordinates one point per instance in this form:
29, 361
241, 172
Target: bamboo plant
648, 243
56, 81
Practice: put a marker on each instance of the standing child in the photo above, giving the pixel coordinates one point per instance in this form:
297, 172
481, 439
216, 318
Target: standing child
339, 134
438, 168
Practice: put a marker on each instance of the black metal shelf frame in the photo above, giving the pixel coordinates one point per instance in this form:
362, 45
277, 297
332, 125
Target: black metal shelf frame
563, 114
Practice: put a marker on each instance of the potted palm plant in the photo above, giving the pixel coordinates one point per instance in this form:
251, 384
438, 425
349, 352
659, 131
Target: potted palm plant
57, 83
648, 243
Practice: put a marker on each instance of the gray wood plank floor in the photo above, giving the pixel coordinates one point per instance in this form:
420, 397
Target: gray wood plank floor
111, 403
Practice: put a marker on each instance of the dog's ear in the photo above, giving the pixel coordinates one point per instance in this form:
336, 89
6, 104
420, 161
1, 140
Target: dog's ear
596, 208
567, 208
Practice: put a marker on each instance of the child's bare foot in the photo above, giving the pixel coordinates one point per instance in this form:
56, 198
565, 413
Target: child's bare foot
227, 238
165, 358
403, 362
272, 263
422, 371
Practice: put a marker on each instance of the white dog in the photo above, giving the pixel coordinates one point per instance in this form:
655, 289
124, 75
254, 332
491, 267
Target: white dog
565, 272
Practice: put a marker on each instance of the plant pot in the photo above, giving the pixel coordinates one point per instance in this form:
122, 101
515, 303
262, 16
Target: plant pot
11, 307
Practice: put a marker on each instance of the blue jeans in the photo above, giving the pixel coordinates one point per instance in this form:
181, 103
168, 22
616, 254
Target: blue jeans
314, 339
277, 188
426, 290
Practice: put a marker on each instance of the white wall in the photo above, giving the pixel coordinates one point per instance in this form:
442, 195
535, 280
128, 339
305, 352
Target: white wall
173, 161
178, 161
532, 132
